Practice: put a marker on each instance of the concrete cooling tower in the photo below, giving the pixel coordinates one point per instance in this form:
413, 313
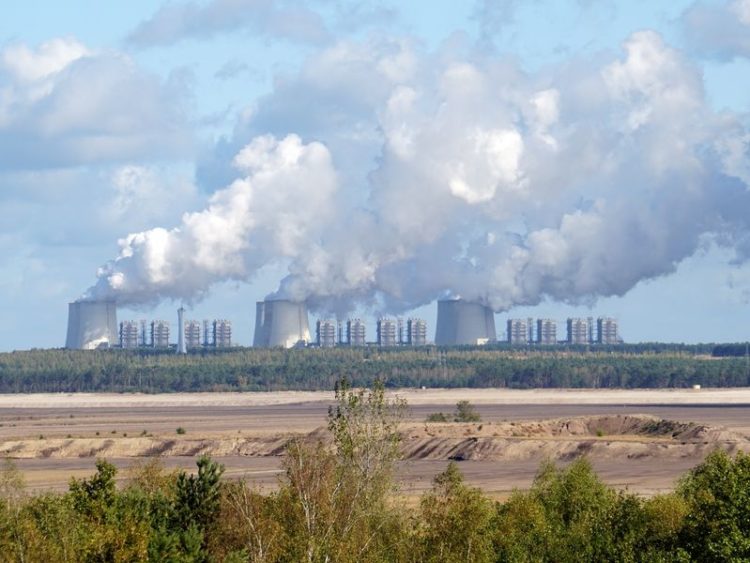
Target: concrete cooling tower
462, 322
280, 323
91, 325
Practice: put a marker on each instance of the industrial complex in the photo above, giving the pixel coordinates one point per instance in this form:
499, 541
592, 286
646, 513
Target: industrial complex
284, 323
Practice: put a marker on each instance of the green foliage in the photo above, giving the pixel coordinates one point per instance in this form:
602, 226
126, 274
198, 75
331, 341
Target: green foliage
570, 515
335, 499
252, 369
454, 521
437, 417
196, 502
92, 497
465, 412
180, 430
717, 494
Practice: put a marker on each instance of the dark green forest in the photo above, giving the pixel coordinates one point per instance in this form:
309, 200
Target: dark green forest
252, 369
338, 502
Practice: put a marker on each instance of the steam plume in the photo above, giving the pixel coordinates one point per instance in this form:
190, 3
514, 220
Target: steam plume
492, 185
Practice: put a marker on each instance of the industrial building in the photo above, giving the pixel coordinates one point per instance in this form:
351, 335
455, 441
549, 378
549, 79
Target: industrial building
193, 334
462, 322
159, 334
578, 331
517, 331
606, 331
206, 333
355, 332
325, 333
91, 325
386, 332
144, 332
416, 332
281, 322
222, 332
546, 331
129, 334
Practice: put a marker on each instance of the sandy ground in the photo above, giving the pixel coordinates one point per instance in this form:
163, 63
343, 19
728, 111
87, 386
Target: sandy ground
43, 422
729, 396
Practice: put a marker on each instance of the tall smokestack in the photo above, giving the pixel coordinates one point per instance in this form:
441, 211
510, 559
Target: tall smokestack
91, 325
462, 322
181, 345
280, 323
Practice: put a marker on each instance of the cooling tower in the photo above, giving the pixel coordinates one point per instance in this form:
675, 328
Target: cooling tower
280, 323
91, 325
462, 322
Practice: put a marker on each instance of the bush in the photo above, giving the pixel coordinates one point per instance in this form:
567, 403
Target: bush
465, 412
437, 417
180, 430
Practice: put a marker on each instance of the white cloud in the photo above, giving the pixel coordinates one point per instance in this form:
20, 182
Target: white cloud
62, 104
175, 22
720, 30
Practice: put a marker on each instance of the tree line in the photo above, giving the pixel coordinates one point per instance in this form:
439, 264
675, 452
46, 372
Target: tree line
337, 502
252, 369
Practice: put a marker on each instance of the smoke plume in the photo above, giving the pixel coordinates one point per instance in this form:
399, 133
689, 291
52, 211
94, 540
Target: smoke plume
489, 183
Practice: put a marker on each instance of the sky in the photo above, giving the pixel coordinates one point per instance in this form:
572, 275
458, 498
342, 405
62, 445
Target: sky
550, 158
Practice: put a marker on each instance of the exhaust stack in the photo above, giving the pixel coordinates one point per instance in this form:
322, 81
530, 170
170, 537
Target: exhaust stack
280, 323
181, 345
464, 323
91, 325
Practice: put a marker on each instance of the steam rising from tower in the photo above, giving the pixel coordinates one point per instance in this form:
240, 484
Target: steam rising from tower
280, 323
91, 325
462, 322
569, 185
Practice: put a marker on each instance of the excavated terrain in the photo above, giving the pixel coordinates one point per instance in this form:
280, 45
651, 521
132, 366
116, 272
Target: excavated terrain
598, 437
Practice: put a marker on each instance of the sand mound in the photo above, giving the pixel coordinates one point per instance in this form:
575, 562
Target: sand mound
623, 436
627, 436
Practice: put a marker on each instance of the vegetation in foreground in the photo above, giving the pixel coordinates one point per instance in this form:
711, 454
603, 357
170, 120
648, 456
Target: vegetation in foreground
249, 369
337, 502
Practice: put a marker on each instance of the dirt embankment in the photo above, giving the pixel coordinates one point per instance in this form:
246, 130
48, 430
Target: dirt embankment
602, 437
599, 437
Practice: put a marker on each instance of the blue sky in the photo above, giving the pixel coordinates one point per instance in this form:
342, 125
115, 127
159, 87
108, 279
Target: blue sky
554, 158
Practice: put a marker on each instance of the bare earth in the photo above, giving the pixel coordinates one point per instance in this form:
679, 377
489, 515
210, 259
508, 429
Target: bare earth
639, 439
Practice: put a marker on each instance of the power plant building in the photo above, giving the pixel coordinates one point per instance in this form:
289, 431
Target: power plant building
160, 334
546, 331
222, 330
281, 323
462, 322
192, 334
355, 332
387, 331
91, 325
606, 330
578, 331
325, 333
129, 334
518, 331
416, 332
206, 333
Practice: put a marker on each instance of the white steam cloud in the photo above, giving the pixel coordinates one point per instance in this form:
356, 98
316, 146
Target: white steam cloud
490, 184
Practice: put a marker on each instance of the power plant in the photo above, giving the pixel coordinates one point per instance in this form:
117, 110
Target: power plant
281, 323
92, 325
462, 322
